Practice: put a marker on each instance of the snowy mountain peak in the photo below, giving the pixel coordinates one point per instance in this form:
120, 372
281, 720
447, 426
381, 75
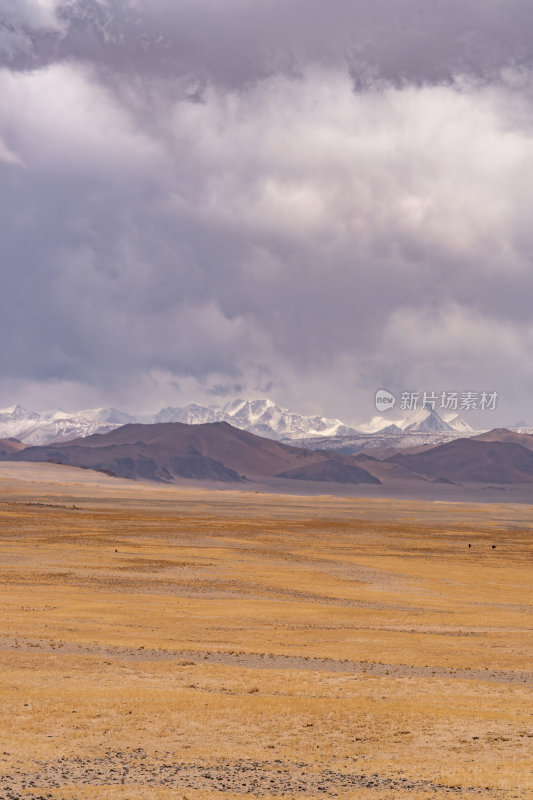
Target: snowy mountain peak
16, 412
109, 415
261, 416
376, 425
423, 420
43, 427
457, 423
193, 414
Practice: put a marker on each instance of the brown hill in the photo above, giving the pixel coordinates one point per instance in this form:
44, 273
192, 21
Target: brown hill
387, 472
472, 461
10, 446
330, 470
505, 435
214, 451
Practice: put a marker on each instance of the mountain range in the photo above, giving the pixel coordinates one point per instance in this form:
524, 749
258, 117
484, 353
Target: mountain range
41, 427
217, 452
214, 451
262, 417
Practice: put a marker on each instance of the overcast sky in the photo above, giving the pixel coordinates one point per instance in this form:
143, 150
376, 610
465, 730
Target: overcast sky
302, 199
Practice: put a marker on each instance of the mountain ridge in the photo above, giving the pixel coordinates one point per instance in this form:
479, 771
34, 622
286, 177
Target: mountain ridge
221, 453
261, 416
473, 461
210, 451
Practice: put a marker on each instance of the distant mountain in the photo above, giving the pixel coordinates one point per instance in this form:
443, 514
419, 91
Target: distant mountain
262, 417
505, 435
10, 446
266, 418
457, 423
381, 444
212, 452
423, 420
472, 461
42, 427
192, 414
219, 452
15, 421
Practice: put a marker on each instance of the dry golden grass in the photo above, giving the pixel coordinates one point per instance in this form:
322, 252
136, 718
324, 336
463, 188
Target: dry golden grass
316, 637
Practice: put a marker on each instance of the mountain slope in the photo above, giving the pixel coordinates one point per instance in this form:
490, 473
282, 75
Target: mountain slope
331, 471
472, 461
10, 446
505, 435
213, 451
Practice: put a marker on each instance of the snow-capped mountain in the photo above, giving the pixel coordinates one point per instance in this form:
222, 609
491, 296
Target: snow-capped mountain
423, 420
15, 420
193, 414
262, 417
457, 423
43, 427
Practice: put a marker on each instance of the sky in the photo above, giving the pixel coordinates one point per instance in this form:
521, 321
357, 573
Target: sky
300, 199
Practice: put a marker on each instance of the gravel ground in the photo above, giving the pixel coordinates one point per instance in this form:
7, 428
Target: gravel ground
254, 778
269, 661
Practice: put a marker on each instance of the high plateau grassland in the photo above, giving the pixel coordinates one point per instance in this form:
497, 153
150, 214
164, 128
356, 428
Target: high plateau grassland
169, 642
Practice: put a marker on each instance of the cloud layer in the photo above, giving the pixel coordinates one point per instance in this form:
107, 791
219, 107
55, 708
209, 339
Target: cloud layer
297, 198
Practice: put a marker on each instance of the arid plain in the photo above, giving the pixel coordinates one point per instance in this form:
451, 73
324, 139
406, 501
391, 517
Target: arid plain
173, 642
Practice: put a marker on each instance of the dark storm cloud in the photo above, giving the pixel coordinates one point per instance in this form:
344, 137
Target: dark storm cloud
193, 198
235, 42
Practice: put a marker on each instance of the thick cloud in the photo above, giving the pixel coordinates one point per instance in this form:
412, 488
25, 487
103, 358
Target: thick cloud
236, 42
303, 198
